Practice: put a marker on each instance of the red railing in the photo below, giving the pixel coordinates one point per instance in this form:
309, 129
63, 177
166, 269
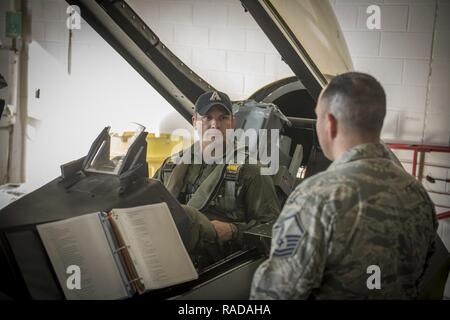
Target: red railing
420, 151
443, 215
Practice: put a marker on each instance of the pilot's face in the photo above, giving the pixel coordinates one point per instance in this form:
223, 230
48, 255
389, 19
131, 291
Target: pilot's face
216, 118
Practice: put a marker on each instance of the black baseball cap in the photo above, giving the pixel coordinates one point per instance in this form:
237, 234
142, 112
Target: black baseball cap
213, 98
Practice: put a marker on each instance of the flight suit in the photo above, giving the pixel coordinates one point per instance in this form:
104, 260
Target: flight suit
362, 229
237, 194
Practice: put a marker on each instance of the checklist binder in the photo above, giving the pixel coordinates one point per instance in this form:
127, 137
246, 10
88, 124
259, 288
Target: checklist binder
120, 254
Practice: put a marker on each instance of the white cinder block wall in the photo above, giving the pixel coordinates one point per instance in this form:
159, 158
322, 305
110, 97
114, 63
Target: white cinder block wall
410, 55
218, 40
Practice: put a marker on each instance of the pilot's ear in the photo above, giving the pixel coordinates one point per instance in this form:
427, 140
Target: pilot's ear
194, 118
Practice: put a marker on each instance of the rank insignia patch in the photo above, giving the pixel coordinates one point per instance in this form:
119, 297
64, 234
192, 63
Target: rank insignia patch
288, 233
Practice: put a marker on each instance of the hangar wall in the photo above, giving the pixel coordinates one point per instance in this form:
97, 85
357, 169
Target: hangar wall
220, 41
410, 55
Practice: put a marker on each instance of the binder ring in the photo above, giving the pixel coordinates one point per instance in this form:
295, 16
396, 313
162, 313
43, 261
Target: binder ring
134, 280
121, 248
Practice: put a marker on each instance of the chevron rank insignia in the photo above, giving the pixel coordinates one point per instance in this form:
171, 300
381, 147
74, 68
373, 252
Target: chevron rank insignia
287, 235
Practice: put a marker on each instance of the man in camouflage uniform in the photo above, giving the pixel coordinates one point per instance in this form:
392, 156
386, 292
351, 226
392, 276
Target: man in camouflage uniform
362, 220
221, 200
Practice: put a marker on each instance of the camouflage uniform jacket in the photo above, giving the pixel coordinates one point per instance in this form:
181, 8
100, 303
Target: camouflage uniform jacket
363, 210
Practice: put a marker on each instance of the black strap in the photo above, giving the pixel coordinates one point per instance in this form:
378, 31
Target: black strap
2, 107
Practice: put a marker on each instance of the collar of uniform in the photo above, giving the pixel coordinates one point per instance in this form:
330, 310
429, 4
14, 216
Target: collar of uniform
361, 151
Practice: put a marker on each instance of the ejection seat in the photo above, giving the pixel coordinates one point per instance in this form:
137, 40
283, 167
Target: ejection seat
260, 116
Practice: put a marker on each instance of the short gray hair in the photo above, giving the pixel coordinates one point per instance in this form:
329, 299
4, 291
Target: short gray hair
358, 102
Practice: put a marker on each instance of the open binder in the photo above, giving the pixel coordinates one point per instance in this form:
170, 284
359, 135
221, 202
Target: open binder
119, 254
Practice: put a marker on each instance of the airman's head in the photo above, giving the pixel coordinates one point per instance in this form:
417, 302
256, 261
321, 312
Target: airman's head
350, 111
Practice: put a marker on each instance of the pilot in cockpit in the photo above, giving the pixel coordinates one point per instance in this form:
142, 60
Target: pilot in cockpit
222, 199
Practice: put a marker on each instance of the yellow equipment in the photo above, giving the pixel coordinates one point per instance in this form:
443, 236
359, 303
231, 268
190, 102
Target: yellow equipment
158, 147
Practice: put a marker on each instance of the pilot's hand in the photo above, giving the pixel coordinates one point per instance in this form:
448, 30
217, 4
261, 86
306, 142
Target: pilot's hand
225, 231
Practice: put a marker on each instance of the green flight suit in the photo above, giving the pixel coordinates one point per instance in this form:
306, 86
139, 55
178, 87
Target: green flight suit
254, 202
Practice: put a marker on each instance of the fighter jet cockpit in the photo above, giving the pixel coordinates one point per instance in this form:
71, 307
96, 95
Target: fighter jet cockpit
109, 178
104, 161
